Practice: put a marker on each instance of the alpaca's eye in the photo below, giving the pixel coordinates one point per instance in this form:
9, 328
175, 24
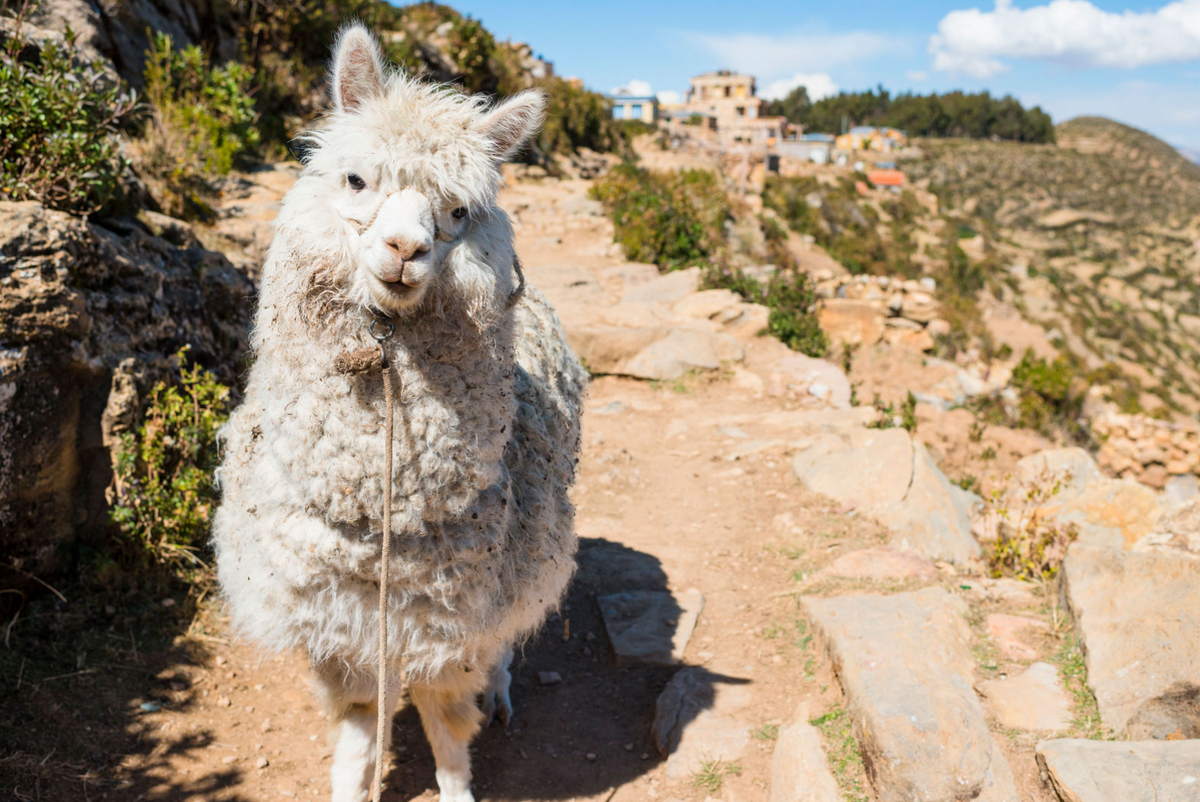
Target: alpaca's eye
459, 213
356, 183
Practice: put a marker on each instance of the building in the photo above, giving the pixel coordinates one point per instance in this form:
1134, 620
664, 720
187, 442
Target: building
633, 107
817, 148
727, 96
868, 137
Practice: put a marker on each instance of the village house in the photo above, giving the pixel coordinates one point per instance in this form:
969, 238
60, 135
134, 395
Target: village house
726, 102
869, 137
634, 107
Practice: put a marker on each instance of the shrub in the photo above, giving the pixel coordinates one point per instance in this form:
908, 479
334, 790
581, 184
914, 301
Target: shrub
58, 124
888, 417
577, 118
673, 220
1051, 394
164, 471
792, 300
203, 121
1021, 543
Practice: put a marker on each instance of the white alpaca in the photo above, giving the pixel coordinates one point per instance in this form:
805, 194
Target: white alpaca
395, 216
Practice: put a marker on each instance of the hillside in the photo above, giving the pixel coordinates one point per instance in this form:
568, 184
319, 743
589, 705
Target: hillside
1096, 237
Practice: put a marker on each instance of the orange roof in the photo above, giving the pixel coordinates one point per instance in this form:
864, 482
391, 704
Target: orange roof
886, 178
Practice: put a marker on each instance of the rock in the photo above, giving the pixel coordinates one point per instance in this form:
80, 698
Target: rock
666, 289
1177, 531
920, 306
680, 351
851, 322
1032, 700
751, 321
1073, 468
933, 519
651, 352
650, 626
938, 327
918, 340
261, 763
90, 317
689, 729
795, 375
904, 662
708, 304
1119, 771
1138, 615
799, 768
548, 678
882, 563
1004, 629
1062, 218
876, 473
1111, 513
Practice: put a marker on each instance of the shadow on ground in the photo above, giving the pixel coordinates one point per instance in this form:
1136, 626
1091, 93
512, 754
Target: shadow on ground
581, 737
74, 678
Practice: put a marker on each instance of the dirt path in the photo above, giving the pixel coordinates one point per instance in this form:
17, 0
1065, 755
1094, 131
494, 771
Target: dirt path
682, 485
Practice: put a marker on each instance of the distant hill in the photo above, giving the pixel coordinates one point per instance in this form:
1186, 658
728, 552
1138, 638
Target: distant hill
1104, 229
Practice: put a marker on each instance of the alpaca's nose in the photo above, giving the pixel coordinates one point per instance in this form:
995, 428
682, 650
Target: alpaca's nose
407, 249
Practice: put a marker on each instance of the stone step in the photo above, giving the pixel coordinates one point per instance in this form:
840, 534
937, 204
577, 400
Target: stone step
1138, 614
905, 665
1122, 771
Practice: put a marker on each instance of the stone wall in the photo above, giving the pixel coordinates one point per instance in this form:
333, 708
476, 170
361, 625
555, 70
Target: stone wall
1148, 450
862, 310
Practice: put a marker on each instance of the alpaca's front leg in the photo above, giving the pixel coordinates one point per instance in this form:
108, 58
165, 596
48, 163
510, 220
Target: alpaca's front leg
450, 719
355, 724
496, 694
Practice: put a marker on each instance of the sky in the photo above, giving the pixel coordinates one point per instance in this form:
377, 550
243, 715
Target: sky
1136, 64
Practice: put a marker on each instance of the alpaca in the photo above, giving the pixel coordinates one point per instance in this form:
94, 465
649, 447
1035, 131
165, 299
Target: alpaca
394, 223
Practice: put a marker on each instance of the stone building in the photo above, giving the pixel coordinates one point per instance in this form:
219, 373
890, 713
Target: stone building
730, 101
634, 107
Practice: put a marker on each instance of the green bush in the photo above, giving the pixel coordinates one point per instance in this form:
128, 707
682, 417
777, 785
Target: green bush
577, 118
673, 220
203, 122
164, 471
58, 124
792, 300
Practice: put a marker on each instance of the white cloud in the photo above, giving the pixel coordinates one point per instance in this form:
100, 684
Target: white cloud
1074, 32
765, 55
670, 96
636, 87
917, 76
818, 84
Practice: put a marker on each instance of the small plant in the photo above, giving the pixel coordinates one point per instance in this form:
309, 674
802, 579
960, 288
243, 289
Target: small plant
712, 774
975, 435
989, 453
1087, 722
889, 417
767, 732
968, 482
1021, 543
163, 472
842, 750
204, 121
59, 120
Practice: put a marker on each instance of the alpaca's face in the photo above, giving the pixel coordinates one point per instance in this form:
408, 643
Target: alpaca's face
402, 236
412, 170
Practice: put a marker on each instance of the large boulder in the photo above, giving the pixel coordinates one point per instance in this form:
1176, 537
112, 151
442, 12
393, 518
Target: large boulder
1117, 771
90, 316
905, 664
1138, 615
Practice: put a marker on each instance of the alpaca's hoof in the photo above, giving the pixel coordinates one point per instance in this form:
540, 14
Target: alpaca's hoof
497, 701
464, 796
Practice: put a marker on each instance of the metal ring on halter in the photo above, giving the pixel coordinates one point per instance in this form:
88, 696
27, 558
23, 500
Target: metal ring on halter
381, 337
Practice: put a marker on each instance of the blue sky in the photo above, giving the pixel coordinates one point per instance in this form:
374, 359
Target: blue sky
1136, 64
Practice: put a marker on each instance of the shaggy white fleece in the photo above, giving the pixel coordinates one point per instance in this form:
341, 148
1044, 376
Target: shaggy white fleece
487, 417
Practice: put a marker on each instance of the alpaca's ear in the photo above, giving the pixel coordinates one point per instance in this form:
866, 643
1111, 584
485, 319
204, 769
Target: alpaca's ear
513, 123
357, 68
